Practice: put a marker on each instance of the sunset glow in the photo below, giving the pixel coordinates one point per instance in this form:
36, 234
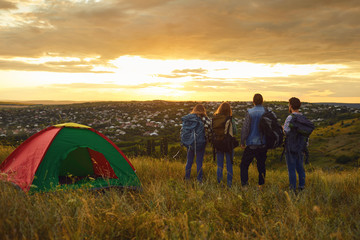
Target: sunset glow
123, 50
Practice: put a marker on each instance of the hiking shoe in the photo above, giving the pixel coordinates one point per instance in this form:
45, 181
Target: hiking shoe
245, 187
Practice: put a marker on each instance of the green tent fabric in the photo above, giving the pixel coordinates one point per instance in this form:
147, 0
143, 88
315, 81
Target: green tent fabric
73, 150
77, 163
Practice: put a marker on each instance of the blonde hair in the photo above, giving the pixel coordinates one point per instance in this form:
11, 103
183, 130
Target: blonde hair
224, 109
200, 110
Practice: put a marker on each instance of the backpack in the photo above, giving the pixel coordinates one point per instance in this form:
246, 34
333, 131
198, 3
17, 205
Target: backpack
192, 133
300, 130
271, 129
222, 139
301, 124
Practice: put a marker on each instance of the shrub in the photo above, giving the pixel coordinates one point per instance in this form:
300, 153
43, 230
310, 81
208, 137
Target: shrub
343, 159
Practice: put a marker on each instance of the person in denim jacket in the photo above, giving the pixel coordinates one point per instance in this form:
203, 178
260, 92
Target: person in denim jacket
253, 142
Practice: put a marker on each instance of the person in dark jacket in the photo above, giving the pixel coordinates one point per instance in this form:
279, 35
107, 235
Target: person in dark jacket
253, 142
294, 160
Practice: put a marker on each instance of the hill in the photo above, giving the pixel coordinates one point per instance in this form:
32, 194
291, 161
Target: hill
337, 144
169, 208
350, 105
36, 102
13, 104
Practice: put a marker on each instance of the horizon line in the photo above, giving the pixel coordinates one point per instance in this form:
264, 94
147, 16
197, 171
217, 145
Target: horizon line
3, 101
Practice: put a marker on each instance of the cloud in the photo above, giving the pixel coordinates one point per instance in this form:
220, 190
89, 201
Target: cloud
199, 70
55, 93
196, 76
69, 67
299, 31
6, 5
324, 93
171, 75
106, 85
258, 31
181, 73
198, 86
322, 84
141, 4
317, 89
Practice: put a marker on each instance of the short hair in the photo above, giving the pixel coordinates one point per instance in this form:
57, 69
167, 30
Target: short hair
295, 103
258, 99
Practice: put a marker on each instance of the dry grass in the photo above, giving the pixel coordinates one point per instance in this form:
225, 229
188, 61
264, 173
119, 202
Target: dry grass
5, 151
169, 208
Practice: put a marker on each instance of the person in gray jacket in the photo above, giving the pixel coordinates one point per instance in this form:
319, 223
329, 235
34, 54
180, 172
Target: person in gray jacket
253, 143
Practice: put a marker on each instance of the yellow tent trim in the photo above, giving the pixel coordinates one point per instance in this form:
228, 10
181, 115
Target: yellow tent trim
72, 125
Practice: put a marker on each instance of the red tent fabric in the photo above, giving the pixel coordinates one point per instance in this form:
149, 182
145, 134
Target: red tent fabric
101, 165
27, 157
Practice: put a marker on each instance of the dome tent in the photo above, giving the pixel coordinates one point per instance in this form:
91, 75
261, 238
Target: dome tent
68, 155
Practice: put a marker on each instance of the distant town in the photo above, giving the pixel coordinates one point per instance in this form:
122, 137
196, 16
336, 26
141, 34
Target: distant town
129, 122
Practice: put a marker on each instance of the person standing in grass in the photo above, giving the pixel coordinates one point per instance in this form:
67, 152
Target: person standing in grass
253, 143
295, 145
195, 133
222, 124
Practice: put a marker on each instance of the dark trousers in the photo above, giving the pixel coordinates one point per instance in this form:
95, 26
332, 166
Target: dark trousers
248, 156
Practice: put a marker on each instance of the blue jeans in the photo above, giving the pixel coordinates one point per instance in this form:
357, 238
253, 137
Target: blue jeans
295, 164
229, 166
200, 151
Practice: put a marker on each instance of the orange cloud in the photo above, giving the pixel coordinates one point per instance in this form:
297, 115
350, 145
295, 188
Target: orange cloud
7, 5
257, 31
69, 67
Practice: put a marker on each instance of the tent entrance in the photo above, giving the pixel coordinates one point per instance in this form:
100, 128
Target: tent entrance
83, 164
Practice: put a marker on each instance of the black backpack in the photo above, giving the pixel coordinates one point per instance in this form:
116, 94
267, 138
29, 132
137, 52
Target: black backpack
300, 130
222, 140
271, 129
301, 125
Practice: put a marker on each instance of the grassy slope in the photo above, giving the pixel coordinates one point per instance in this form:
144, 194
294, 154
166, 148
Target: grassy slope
169, 208
342, 138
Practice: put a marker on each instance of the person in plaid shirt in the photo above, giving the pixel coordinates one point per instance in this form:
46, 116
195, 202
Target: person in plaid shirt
200, 111
208, 129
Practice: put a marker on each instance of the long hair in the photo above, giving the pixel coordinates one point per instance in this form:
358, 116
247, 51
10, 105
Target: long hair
224, 109
199, 110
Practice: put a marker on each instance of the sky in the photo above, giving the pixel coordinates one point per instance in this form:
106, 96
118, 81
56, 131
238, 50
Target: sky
200, 50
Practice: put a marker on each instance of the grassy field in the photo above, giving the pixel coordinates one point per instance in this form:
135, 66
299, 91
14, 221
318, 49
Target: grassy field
169, 208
